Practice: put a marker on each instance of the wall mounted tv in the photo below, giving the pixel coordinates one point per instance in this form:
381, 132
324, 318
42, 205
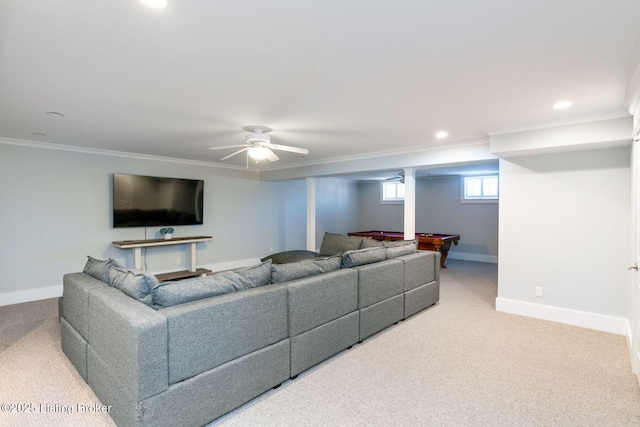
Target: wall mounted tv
140, 201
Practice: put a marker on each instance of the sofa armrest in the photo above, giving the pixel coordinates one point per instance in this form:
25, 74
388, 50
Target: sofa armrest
75, 299
130, 338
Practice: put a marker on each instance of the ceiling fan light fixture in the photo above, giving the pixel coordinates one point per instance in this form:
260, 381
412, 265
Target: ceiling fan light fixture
561, 105
258, 138
258, 153
442, 134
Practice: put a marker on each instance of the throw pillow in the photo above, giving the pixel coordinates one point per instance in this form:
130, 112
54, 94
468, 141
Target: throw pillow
281, 273
363, 256
137, 284
255, 275
396, 251
179, 292
291, 256
182, 291
99, 269
369, 242
391, 243
333, 244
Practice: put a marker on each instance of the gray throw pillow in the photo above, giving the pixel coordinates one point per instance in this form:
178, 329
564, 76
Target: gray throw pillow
363, 256
99, 269
368, 242
396, 251
391, 243
255, 275
137, 284
333, 244
281, 273
182, 291
291, 256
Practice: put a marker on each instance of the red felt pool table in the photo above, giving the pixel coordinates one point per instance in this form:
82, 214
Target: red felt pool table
426, 241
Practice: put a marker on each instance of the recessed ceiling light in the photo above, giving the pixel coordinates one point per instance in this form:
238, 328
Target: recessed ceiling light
54, 114
561, 105
156, 4
442, 134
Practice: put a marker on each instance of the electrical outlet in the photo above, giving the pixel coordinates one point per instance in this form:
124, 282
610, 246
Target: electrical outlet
271, 250
539, 291
178, 261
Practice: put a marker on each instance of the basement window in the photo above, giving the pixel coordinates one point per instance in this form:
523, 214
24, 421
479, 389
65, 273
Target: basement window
391, 192
480, 189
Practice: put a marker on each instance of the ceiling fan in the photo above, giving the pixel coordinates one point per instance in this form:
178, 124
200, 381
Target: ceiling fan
258, 145
400, 177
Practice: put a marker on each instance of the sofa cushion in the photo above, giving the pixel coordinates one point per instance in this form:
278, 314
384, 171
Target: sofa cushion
399, 250
137, 284
168, 294
363, 256
291, 256
333, 244
281, 273
99, 269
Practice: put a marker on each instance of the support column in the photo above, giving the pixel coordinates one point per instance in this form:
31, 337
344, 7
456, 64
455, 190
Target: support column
311, 214
409, 203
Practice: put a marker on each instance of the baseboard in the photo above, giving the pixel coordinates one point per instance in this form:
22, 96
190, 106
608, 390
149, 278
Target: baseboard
599, 322
18, 297
473, 257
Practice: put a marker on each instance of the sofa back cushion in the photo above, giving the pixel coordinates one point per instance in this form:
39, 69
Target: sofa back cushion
281, 273
317, 300
207, 333
379, 281
179, 292
333, 244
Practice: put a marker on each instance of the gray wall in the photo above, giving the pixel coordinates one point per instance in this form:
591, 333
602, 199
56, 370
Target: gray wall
438, 210
56, 210
336, 207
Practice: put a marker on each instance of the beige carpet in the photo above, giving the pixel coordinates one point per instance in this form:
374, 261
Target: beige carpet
459, 363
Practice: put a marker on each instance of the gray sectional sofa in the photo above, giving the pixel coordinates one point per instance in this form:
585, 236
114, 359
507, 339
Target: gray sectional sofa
187, 352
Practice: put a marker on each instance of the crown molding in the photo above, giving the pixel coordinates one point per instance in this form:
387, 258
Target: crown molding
136, 156
385, 153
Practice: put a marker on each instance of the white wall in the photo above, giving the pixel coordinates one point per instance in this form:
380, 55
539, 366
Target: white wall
565, 227
56, 210
438, 210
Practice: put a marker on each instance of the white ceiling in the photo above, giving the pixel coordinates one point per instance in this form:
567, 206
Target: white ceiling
340, 78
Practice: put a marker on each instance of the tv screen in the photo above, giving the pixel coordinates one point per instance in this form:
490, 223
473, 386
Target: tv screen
140, 201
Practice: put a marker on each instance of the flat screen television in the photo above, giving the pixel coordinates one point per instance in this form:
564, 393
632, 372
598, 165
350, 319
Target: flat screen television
140, 201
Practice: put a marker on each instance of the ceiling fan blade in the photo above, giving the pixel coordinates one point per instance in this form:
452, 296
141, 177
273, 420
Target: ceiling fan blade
228, 146
272, 156
237, 152
288, 148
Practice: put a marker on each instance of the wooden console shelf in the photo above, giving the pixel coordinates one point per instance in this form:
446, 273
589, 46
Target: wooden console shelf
182, 274
137, 246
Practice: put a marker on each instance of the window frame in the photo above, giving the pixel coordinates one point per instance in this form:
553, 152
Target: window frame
397, 200
482, 198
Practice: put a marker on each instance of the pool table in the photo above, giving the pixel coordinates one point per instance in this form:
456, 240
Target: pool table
426, 241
